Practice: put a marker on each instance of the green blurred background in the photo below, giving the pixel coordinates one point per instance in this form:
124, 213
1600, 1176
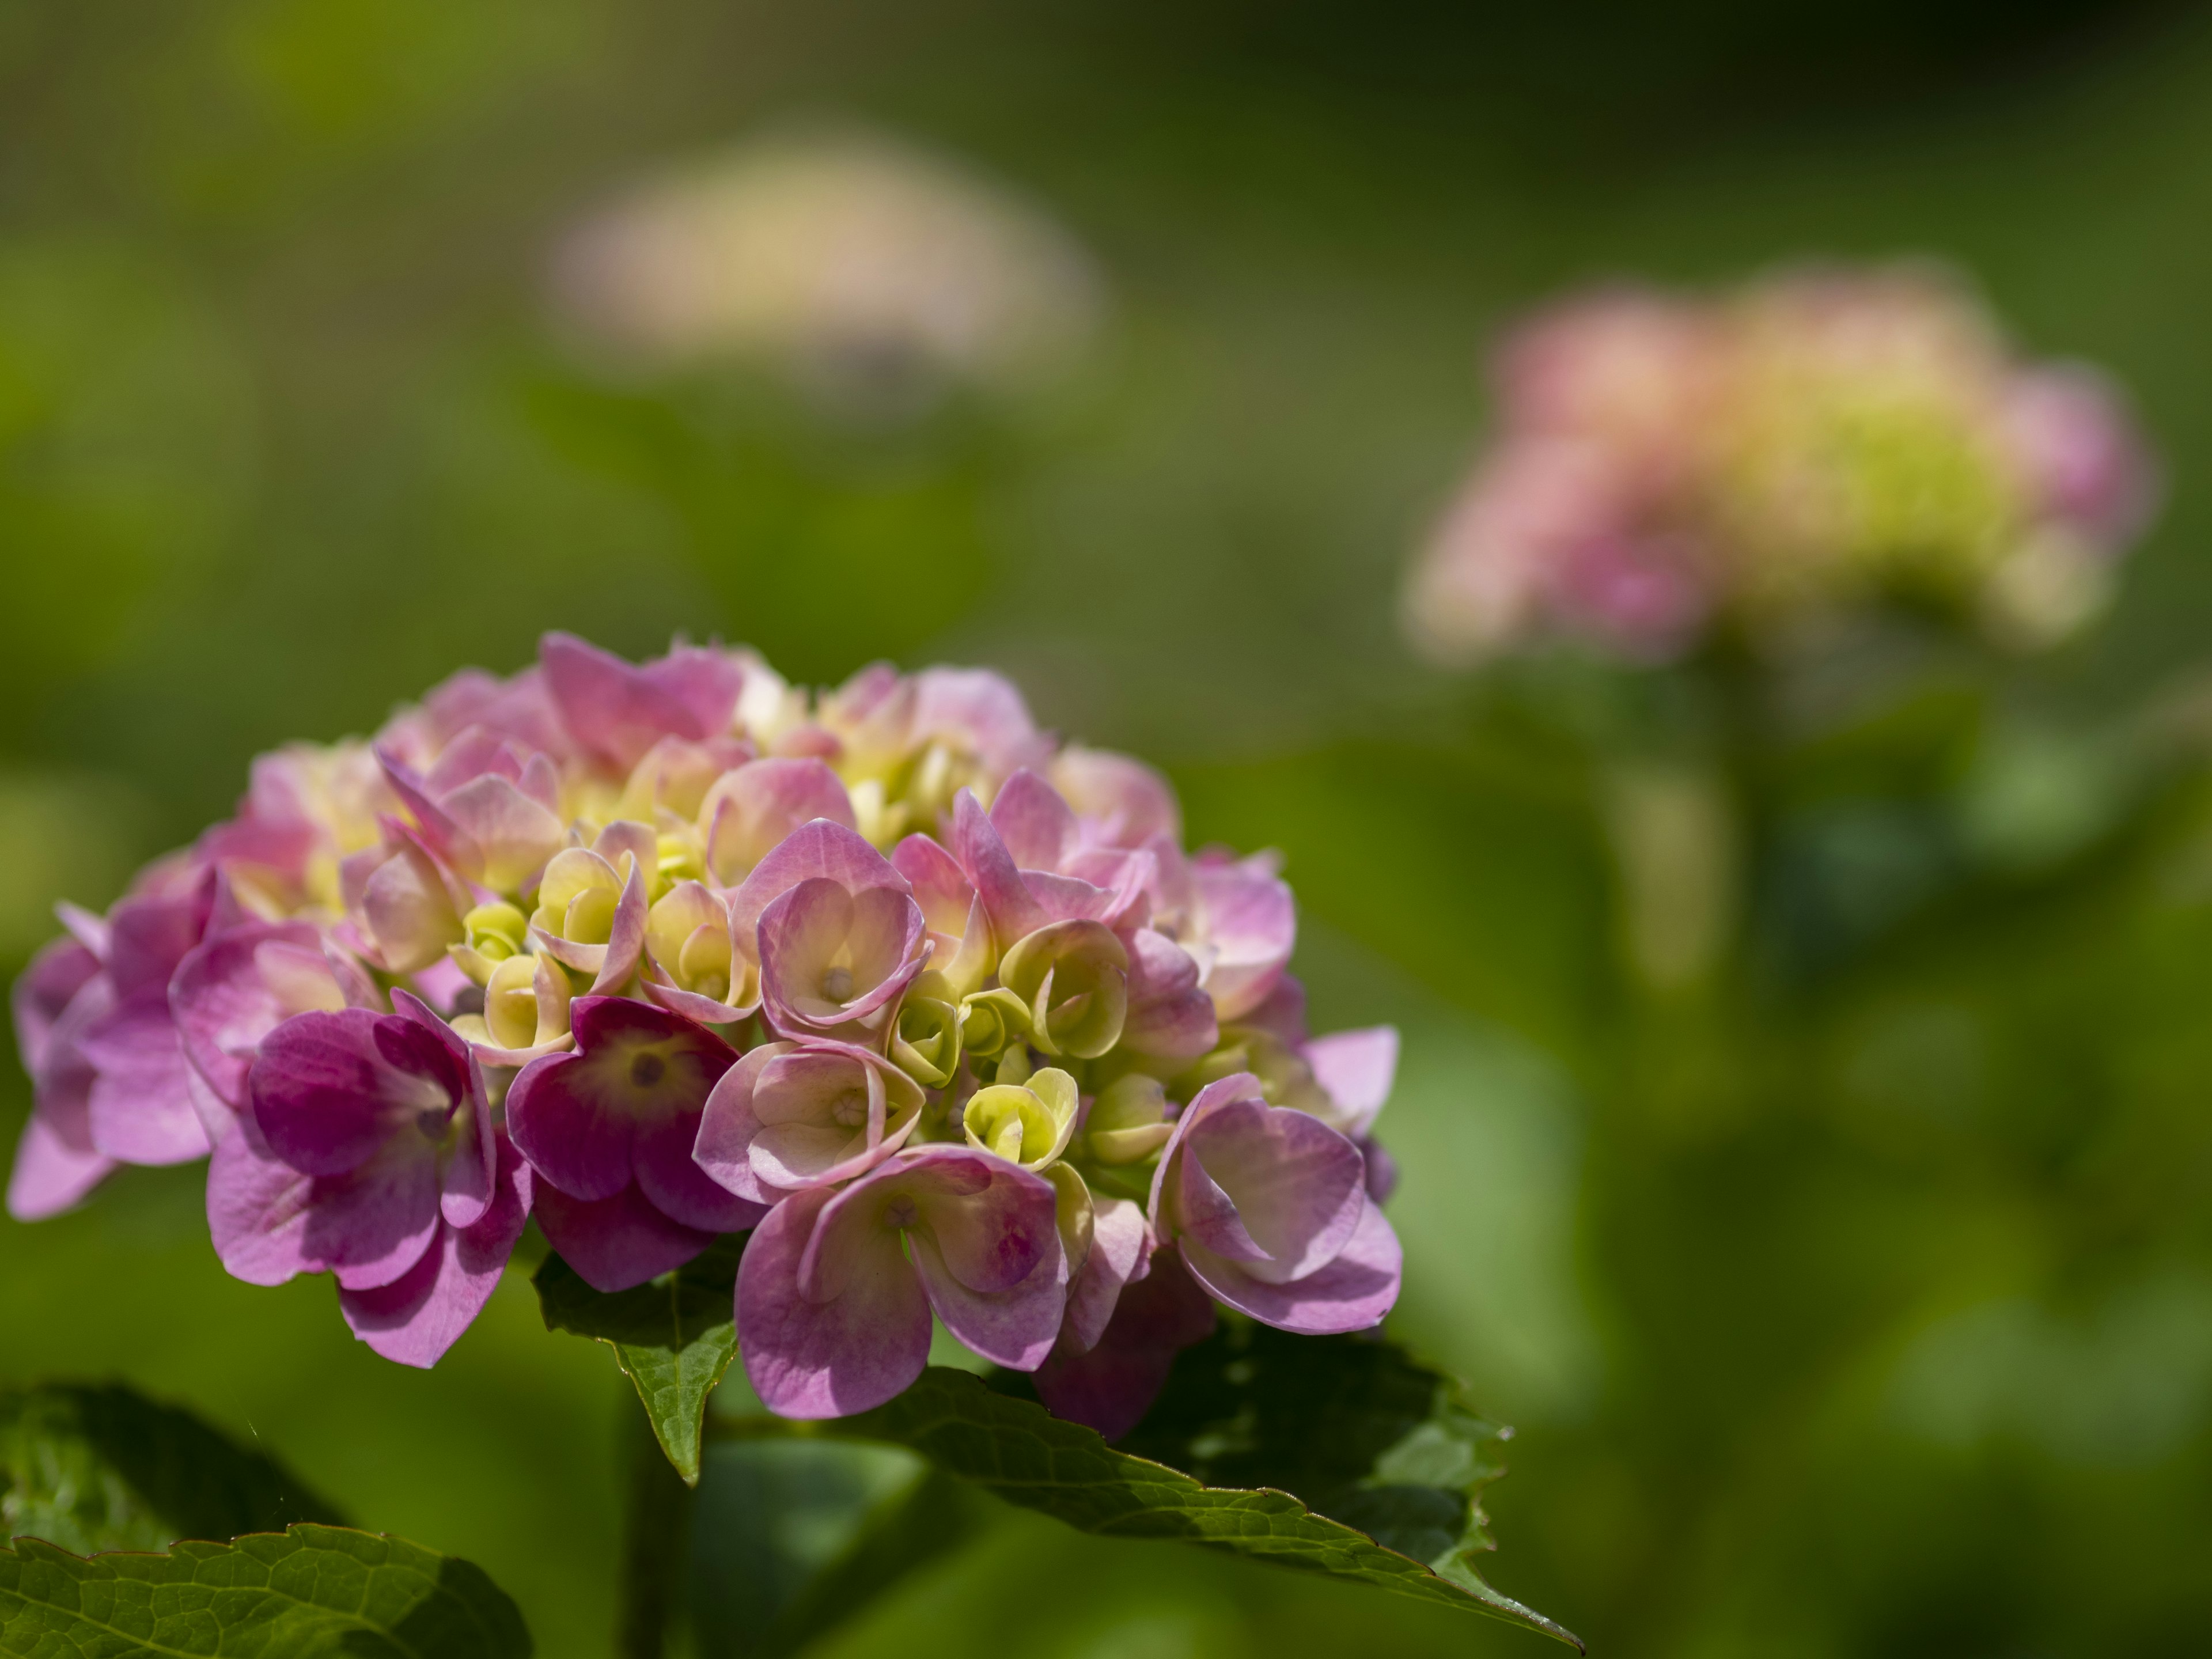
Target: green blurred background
1872, 1315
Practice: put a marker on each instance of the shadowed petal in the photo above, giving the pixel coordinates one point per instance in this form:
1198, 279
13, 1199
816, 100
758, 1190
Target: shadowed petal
224, 1003
615, 1243
1351, 1293
141, 1101
1112, 1386
419, 1315
43, 989
1120, 1250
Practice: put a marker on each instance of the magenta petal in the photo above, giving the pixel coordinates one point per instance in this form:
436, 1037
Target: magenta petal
1111, 1387
992, 1221
371, 1224
148, 937
223, 1007
855, 1350
325, 1095
44, 989
679, 1188
418, 1317
1356, 1069
51, 1174
141, 1103
615, 1243
574, 1137
618, 712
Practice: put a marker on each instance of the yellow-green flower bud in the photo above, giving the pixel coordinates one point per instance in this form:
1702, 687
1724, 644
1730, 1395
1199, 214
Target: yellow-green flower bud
527, 1002
993, 1021
1074, 976
1028, 1124
1128, 1121
925, 1042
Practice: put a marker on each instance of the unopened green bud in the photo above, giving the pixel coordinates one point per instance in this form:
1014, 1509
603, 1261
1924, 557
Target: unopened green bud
991, 1021
1128, 1121
1028, 1124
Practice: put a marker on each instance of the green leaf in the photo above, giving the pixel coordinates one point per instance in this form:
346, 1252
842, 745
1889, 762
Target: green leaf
1382, 1440
303, 1594
91, 1467
792, 1537
673, 1338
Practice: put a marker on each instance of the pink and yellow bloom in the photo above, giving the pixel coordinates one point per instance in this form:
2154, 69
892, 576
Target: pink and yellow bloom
940, 1012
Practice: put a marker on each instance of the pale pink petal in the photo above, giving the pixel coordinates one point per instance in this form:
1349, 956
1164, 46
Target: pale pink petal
860, 1345
1125, 800
510, 836
992, 1221
1170, 1017
1013, 1328
1356, 1069
753, 810
1036, 825
141, 1103
51, 1174
729, 1123
944, 892
224, 1004
1298, 1186
616, 712
1351, 1293
1252, 925
818, 850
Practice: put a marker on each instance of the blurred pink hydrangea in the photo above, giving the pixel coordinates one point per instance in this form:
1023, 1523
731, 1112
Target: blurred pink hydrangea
938, 1009
1666, 467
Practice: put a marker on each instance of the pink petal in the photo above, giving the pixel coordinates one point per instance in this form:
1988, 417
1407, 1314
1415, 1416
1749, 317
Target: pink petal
51, 1174
419, 1315
327, 1095
1013, 1328
1356, 1068
1299, 1187
141, 1103
1034, 824
1170, 1017
992, 1221
1251, 924
1351, 1293
44, 989
980, 712
510, 836
1112, 1386
223, 1004
754, 809
616, 712
728, 1124
1120, 1251
944, 892
879, 929
820, 849
1126, 800
615, 1243
148, 937
862, 1343
625, 943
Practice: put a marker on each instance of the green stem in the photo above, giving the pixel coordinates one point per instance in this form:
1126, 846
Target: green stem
656, 1536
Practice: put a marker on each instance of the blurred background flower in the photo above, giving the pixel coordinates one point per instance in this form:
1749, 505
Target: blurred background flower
1765, 462
1815, 1202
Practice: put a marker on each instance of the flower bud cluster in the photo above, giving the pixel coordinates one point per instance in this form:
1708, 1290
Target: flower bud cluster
1759, 460
937, 1009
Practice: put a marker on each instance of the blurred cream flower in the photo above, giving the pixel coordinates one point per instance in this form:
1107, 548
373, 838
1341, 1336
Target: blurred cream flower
877, 275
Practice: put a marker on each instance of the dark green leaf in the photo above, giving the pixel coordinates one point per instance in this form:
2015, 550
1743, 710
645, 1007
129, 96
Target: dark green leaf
311, 1592
792, 1537
673, 1338
92, 1468
1422, 1455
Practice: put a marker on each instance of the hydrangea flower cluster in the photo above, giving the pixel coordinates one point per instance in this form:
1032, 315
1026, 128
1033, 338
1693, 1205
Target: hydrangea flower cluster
938, 1009
1668, 466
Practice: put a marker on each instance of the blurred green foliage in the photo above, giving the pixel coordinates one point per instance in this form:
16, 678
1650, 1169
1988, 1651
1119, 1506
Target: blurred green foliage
1852, 1294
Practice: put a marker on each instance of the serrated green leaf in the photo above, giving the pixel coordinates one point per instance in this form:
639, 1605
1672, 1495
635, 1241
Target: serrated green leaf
307, 1593
1015, 1448
673, 1338
89, 1467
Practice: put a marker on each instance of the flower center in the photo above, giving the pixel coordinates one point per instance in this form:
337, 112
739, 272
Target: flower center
851, 1110
647, 1070
837, 984
899, 1213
